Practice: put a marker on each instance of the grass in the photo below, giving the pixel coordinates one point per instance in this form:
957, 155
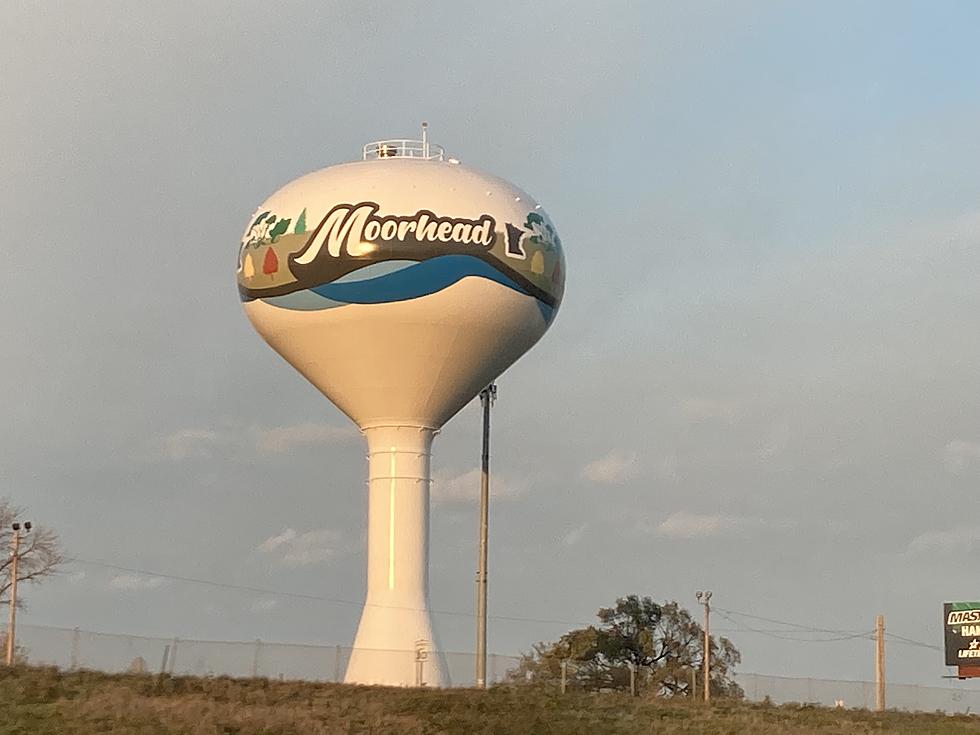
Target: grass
44, 701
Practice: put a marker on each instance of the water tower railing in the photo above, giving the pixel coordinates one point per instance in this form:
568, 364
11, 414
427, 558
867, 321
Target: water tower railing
401, 148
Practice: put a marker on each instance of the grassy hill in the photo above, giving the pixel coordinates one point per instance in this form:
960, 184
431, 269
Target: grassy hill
43, 701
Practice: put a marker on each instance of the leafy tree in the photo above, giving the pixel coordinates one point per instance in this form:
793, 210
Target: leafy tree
663, 642
39, 556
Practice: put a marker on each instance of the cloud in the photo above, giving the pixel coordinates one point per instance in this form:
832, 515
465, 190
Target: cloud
131, 582
274, 542
614, 468
575, 535
685, 525
198, 443
774, 443
293, 549
958, 540
668, 468
188, 444
448, 487
284, 439
701, 408
264, 605
958, 455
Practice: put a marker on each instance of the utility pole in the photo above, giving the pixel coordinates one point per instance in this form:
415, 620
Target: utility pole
14, 558
704, 598
487, 396
880, 663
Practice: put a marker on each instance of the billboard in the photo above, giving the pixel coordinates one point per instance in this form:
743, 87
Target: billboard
961, 626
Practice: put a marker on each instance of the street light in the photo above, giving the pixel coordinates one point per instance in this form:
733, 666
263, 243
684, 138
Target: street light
14, 558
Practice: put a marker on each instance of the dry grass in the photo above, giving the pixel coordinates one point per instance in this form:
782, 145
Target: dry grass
44, 702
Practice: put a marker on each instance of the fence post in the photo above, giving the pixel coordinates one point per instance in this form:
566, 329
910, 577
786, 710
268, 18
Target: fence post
74, 649
336, 663
879, 663
255, 658
166, 657
694, 683
633, 691
564, 676
173, 654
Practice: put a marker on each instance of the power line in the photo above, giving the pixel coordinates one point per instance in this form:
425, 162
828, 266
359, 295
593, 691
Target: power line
778, 634
308, 596
840, 635
910, 642
798, 626
843, 635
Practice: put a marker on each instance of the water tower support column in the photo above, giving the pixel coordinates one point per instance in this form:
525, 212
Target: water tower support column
395, 627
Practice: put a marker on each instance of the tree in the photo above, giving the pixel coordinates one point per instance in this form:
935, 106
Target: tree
39, 556
663, 642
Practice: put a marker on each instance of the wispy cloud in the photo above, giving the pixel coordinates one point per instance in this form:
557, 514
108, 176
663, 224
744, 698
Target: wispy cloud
284, 439
203, 443
293, 549
189, 444
685, 525
700, 408
575, 535
614, 468
133, 582
959, 455
448, 487
266, 604
958, 540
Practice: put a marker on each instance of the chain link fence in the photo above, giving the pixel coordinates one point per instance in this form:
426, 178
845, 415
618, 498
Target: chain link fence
74, 648
860, 694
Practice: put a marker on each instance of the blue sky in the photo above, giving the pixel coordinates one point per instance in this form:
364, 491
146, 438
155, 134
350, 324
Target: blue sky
763, 379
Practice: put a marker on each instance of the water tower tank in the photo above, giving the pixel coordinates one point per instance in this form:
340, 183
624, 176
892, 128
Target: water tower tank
400, 285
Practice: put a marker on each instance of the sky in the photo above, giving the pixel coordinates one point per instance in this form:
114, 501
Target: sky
764, 379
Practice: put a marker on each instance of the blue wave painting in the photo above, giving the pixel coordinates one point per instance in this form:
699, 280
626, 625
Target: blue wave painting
396, 281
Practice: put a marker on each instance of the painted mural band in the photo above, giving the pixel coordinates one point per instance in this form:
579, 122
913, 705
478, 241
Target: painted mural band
356, 255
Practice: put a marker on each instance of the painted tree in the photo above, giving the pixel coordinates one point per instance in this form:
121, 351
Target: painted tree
663, 642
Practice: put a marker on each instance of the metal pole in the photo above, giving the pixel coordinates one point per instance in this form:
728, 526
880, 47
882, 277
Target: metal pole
880, 663
487, 396
707, 648
255, 658
12, 619
425, 140
705, 599
75, 634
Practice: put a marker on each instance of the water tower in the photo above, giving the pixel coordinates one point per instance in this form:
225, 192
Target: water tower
400, 285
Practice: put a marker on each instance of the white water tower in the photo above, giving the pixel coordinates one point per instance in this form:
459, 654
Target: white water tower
400, 285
